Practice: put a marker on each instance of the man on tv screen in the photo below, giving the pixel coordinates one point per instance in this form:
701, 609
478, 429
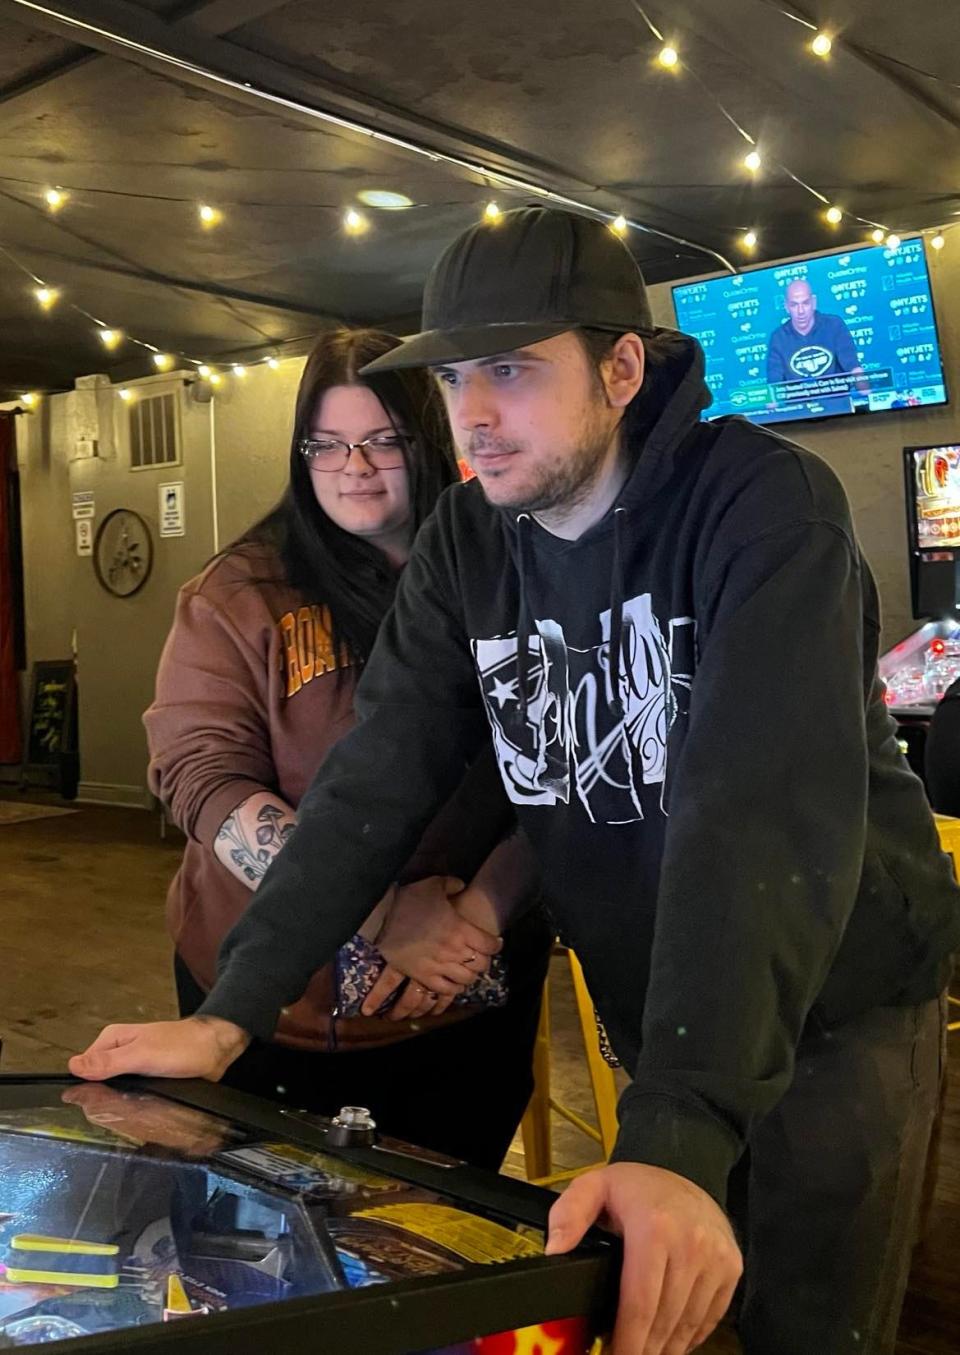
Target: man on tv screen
810, 344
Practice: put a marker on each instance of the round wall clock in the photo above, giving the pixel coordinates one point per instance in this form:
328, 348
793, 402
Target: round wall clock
123, 552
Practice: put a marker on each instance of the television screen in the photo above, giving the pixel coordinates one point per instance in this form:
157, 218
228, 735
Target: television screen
845, 333
934, 477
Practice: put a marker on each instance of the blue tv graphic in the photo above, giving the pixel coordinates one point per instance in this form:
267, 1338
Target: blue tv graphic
846, 333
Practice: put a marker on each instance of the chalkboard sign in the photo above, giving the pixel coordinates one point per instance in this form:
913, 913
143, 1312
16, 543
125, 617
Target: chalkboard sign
51, 735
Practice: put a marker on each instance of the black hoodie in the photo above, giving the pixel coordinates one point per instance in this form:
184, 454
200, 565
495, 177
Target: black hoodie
697, 746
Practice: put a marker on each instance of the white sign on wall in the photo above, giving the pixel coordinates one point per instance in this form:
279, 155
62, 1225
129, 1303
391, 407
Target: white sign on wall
171, 509
84, 530
83, 505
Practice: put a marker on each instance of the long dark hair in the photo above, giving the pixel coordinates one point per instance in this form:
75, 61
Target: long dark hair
330, 566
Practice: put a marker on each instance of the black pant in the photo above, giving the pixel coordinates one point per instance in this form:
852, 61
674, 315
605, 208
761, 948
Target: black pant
460, 1090
827, 1199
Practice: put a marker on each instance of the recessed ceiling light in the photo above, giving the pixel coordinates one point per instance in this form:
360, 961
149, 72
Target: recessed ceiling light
388, 202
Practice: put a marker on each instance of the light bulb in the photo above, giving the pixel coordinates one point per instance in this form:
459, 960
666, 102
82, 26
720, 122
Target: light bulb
215, 378
125, 395
30, 399
204, 371
749, 239
54, 198
163, 361
354, 222
821, 45
834, 215
752, 161
619, 225
492, 212
668, 56
110, 337
878, 236
239, 369
209, 216
893, 241
273, 364
938, 241
47, 296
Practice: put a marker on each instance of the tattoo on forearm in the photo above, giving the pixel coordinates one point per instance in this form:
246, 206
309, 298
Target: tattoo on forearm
254, 857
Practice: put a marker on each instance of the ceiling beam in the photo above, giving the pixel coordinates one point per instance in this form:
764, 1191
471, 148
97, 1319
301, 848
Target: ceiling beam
214, 17
888, 68
226, 70
178, 51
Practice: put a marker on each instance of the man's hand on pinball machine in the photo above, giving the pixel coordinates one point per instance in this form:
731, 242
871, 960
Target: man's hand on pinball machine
681, 1262
199, 1046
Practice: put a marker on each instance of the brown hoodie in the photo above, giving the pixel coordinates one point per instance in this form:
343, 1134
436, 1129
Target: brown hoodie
250, 696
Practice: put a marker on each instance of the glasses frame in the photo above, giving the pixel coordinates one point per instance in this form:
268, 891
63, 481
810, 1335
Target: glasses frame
403, 444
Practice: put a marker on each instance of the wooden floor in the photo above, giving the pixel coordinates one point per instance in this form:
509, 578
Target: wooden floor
82, 943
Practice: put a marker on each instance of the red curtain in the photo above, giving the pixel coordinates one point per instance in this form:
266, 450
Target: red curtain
9, 684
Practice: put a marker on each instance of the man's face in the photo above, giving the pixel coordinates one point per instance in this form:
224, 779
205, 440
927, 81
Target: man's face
801, 306
534, 423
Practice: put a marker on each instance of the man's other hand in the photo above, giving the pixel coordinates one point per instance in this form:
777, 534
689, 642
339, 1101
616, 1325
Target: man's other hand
681, 1262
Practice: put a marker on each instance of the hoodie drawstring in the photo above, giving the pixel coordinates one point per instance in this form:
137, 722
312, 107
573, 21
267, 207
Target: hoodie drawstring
523, 615
615, 705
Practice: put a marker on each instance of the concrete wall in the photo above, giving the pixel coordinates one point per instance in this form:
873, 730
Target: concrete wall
865, 451
238, 443
239, 446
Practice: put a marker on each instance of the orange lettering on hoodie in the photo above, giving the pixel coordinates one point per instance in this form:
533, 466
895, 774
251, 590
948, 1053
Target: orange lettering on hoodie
288, 630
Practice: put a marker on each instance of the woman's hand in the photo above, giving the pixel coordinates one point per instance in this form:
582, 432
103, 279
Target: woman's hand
199, 1046
425, 939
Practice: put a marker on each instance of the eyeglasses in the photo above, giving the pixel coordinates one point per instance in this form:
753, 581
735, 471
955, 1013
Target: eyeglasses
384, 452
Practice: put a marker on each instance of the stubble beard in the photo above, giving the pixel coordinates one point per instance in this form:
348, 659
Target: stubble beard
562, 486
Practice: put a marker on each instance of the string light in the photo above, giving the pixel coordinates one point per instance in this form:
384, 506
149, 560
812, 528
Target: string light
749, 239
30, 399
239, 369
834, 215
938, 241
668, 57
893, 241
878, 236
752, 161
215, 378
273, 364
492, 212
354, 222
619, 225
110, 338
47, 296
54, 198
821, 45
125, 395
204, 371
162, 361
209, 216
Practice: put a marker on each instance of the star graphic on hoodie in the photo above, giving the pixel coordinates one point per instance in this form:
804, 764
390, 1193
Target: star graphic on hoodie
502, 692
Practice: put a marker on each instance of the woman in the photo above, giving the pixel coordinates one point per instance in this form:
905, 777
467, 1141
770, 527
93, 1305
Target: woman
255, 686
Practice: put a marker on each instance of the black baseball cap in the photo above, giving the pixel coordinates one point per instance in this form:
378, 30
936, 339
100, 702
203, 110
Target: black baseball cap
532, 273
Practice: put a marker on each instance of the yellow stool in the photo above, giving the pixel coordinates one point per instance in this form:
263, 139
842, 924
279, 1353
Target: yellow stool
948, 830
535, 1128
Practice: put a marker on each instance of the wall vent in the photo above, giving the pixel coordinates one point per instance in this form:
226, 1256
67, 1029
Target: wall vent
154, 432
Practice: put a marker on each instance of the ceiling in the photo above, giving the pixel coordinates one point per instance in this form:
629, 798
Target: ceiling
141, 111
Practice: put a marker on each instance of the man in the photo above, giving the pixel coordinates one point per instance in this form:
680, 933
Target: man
810, 344
668, 630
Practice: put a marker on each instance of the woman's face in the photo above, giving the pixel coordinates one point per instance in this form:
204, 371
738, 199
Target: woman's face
360, 499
